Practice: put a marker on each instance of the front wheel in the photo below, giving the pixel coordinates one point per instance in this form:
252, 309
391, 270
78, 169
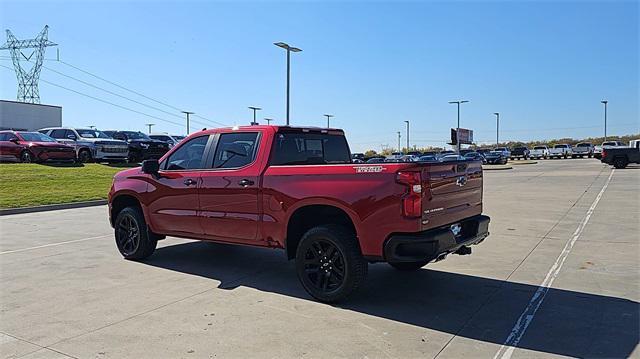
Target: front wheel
26, 157
84, 156
408, 266
132, 235
329, 263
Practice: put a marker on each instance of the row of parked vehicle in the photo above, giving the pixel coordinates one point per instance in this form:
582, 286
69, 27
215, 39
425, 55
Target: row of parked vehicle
498, 155
83, 145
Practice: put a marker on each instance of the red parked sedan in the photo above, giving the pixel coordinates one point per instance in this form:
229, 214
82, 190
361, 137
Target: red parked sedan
22, 146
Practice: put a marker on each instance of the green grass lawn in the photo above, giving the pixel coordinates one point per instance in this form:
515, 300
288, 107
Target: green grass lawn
25, 185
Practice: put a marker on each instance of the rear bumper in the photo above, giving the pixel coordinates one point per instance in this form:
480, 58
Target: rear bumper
429, 245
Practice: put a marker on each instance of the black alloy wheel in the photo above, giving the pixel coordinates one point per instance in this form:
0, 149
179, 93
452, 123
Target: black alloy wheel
329, 263
324, 266
127, 235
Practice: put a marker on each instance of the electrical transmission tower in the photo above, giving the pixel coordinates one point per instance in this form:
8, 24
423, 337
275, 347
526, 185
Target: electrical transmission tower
28, 80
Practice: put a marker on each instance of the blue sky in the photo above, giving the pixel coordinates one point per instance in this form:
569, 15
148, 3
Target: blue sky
544, 66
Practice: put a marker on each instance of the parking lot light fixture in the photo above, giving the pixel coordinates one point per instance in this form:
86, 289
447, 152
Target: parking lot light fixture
605, 102
149, 125
268, 120
458, 102
497, 126
289, 49
254, 123
408, 147
328, 118
188, 113
399, 145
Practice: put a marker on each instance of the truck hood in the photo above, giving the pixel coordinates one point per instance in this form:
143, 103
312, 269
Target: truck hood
102, 141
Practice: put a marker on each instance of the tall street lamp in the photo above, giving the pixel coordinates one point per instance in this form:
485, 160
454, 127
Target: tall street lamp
458, 128
254, 123
149, 125
268, 120
605, 118
407, 122
289, 49
497, 126
188, 113
328, 117
399, 148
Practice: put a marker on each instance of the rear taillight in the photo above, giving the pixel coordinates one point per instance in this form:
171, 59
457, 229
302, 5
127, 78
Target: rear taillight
604, 153
412, 200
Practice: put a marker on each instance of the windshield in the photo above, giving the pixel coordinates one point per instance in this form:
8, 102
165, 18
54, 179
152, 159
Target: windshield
88, 133
520, 149
539, 148
500, 149
560, 146
610, 143
136, 135
35, 137
584, 145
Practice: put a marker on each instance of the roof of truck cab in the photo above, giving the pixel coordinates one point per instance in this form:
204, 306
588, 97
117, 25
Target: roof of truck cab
272, 127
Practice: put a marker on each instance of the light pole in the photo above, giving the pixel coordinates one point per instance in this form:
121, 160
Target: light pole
497, 126
605, 118
149, 124
458, 128
268, 120
407, 122
254, 123
289, 50
328, 117
188, 113
399, 149
92, 127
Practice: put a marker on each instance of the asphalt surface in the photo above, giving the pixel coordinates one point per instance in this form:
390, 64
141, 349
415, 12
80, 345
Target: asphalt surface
558, 276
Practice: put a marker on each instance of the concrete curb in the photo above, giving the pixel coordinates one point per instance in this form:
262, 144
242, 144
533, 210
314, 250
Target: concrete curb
501, 168
519, 163
52, 207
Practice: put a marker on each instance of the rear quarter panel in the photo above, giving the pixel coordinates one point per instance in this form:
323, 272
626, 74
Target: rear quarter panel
368, 193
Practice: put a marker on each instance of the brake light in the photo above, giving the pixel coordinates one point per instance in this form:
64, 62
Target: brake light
604, 153
412, 200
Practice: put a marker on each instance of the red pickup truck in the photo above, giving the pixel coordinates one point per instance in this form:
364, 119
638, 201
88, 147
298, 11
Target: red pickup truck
297, 189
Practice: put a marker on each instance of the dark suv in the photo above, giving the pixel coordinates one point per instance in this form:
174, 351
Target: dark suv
141, 146
520, 152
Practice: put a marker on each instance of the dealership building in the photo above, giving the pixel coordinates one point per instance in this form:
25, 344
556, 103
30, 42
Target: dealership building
28, 116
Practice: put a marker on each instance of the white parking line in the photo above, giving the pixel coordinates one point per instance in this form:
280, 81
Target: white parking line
506, 350
54, 244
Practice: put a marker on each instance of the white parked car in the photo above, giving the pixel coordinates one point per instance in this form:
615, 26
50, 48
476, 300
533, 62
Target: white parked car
539, 152
561, 151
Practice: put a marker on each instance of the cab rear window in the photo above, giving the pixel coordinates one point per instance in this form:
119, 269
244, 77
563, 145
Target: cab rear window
296, 148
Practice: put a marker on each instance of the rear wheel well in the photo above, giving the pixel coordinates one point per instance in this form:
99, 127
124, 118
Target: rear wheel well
305, 218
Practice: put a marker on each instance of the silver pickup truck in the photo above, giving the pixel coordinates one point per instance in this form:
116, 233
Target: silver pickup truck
583, 149
561, 151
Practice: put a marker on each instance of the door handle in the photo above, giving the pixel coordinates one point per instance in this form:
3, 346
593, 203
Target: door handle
246, 183
189, 182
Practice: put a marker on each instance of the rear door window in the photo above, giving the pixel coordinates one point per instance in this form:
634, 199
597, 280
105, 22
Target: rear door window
235, 150
58, 134
297, 148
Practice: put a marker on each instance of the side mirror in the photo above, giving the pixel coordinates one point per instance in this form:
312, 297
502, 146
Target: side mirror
151, 167
71, 137
14, 140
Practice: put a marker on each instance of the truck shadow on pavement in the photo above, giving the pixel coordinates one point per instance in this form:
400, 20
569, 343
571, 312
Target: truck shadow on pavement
569, 323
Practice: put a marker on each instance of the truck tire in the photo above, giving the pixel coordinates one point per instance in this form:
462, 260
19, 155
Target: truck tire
620, 162
132, 235
84, 156
329, 263
408, 266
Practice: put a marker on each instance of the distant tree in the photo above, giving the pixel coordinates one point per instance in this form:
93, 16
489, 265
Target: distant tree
370, 153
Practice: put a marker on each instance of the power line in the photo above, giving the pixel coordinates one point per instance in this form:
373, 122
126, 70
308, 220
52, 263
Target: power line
105, 101
127, 98
137, 93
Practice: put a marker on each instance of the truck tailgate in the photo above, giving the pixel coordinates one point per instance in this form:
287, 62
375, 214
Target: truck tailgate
452, 192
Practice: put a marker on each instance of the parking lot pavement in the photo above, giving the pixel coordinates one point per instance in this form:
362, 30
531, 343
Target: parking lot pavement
558, 276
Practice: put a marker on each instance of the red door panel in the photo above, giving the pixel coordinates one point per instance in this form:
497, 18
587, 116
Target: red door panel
173, 208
